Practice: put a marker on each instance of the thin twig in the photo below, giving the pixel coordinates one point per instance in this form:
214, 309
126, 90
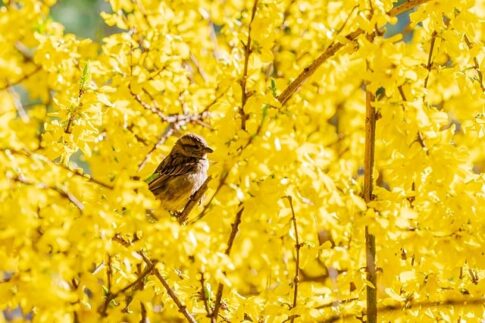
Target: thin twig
194, 199
230, 242
370, 130
430, 58
401, 93
21, 79
75, 110
247, 52
298, 246
182, 308
203, 295
109, 273
370, 252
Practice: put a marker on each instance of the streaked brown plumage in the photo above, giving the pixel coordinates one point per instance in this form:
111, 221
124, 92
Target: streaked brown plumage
181, 173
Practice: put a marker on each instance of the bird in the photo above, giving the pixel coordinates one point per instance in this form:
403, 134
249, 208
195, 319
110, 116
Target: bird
181, 173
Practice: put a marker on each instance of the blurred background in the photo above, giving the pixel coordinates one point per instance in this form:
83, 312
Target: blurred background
82, 17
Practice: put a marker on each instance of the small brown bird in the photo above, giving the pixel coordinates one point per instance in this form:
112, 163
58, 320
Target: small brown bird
181, 173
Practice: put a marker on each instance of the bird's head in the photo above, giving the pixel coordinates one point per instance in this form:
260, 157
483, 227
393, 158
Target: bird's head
191, 145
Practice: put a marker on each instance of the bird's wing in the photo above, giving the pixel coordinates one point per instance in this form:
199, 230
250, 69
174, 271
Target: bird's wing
169, 168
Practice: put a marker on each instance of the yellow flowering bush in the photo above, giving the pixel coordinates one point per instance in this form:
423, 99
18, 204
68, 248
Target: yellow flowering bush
347, 178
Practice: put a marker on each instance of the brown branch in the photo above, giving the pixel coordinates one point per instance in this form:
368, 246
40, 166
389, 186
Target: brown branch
75, 110
203, 295
331, 50
476, 65
182, 308
311, 69
143, 310
146, 106
247, 52
21, 79
298, 246
109, 273
230, 242
194, 199
370, 131
370, 252
401, 93
430, 57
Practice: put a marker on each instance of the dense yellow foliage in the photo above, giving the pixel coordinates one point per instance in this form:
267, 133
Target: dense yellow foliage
71, 244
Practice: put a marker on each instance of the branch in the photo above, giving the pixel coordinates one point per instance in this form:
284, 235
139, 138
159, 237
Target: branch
230, 242
371, 276
82, 89
370, 133
194, 199
182, 308
203, 295
370, 248
296, 279
247, 52
430, 56
332, 50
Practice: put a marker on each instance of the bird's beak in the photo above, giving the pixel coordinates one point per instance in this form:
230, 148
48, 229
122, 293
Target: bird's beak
208, 150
